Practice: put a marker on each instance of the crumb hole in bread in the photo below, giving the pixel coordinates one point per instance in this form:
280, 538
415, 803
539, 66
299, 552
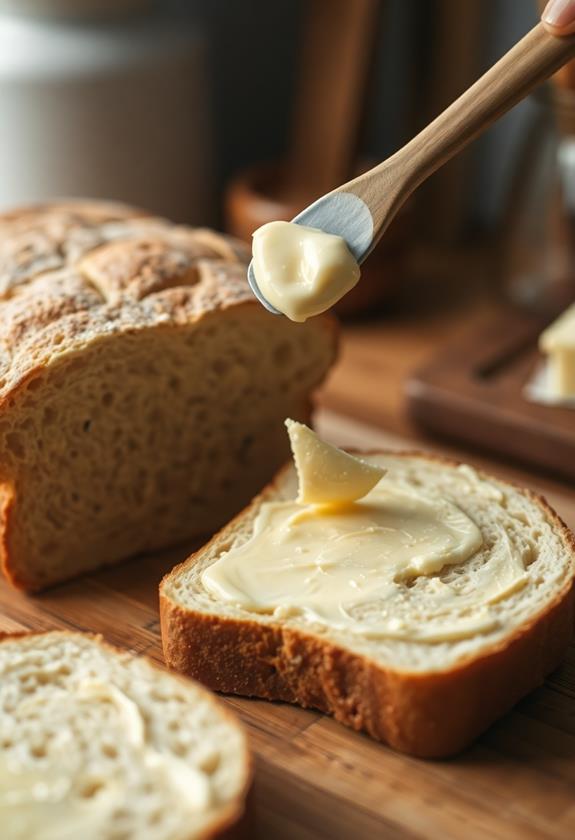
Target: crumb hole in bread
33, 384
90, 788
49, 416
210, 763
38, 751
107, 398
87, 425
43, 677
157, 694
155, 817
110, 750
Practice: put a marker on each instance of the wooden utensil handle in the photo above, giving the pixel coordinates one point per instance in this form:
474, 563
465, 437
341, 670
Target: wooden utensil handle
385, 187
532, 60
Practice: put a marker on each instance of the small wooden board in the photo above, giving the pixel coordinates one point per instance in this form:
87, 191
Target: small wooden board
474, 393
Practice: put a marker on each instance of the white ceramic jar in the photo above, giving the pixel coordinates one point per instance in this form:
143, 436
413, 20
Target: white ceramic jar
104, 99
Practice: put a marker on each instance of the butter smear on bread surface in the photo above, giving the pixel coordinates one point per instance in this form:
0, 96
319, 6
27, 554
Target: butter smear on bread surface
342, 551
418, 612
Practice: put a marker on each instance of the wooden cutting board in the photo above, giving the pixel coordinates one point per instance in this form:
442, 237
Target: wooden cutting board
474, 392
314, 778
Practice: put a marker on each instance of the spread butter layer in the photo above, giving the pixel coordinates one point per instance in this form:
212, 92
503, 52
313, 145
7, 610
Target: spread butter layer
350, 566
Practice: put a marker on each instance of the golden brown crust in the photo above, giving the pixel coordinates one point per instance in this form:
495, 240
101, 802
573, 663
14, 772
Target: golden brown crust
429, 715
72, 273
236, 821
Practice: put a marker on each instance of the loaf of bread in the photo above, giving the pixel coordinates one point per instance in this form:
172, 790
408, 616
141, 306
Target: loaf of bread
142, 387
460, 643
96, 744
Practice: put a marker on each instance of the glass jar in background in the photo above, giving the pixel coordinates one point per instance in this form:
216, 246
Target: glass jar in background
105, 99
539, 228
539, 245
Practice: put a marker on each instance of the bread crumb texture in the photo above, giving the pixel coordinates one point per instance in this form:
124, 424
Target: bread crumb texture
142, 389
98, 744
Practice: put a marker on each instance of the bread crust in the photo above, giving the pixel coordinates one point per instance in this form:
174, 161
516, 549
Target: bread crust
431, 715
236, 821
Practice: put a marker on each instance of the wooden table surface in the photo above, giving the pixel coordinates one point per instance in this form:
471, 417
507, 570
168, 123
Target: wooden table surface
314, 778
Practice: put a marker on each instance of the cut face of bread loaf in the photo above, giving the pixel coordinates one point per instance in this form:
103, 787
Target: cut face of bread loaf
100, 745
142, 387
455, 652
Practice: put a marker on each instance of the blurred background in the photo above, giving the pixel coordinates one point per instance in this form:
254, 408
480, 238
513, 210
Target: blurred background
233, 113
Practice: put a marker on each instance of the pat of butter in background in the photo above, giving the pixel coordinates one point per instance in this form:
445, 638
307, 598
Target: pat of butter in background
558, 343
300, 270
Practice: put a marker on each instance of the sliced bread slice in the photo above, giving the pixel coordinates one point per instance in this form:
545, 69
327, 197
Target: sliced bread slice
434, 683
98, 744
142, 387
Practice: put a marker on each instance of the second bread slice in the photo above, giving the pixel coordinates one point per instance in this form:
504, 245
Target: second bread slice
96, 744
